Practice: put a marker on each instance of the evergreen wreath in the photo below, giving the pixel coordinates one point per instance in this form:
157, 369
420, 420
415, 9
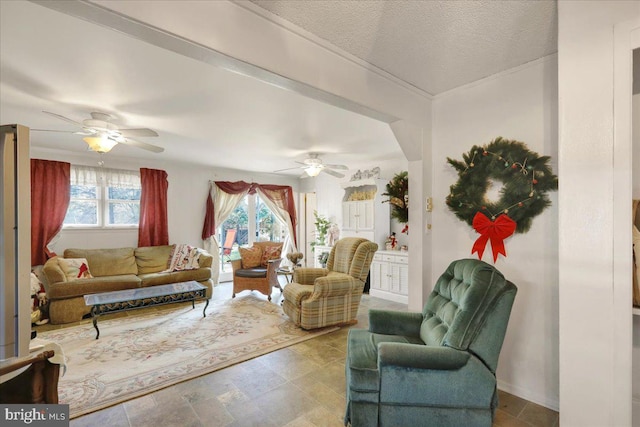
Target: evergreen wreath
398, 193
526, 179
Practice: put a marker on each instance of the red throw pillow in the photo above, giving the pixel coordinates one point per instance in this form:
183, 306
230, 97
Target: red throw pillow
269, 253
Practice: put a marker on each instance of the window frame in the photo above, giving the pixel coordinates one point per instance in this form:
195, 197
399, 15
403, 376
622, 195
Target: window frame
103, 203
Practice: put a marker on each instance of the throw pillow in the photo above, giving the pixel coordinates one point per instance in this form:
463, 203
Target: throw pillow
269, 253
251, 257
75, 268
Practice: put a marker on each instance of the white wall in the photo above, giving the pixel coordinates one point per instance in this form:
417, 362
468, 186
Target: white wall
595, 329
636, 195
520, 104
187, 193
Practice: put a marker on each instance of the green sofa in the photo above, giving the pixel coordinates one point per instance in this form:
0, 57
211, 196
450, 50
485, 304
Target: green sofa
436, 367
114, 270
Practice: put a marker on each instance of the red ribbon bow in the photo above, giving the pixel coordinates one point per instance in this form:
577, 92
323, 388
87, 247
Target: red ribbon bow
496, 231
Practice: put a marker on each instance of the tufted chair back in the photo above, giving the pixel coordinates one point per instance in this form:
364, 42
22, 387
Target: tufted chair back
352, 256
466, 310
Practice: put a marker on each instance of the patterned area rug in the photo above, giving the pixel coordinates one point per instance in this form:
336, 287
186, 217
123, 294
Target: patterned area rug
139, 354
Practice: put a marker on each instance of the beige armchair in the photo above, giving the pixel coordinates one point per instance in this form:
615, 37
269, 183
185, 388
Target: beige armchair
257, 274
320, 297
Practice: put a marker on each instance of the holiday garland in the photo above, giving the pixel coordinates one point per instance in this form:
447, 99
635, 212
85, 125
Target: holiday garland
526, 179
398, 193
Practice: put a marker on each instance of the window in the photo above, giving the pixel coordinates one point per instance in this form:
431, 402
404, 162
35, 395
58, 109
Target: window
103, 198
252, 217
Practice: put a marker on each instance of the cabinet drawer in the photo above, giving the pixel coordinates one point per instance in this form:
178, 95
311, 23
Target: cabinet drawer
402, 259
388, 258
377, 257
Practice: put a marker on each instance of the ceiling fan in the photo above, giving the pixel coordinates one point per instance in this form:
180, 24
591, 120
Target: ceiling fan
102, 135
313, 165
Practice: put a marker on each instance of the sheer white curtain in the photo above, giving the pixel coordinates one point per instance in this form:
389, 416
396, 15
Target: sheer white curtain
224, 204
283, 216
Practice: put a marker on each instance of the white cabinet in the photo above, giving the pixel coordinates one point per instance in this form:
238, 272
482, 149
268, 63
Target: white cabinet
390, 276
358, 216
363, 212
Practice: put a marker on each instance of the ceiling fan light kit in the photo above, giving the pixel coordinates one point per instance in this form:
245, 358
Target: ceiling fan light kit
313, 165
100, 144
313, 170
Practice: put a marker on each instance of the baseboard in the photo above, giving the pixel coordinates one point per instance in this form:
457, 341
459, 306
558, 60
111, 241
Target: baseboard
389, 296
546, 401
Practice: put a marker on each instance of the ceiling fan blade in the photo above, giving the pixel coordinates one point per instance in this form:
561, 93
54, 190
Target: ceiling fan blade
52, 130
332, 173
287, 169
143, 145
137, 132
340, 167
66, 119
84, 133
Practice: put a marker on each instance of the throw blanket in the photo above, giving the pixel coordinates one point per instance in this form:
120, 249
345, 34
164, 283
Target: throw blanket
184, 257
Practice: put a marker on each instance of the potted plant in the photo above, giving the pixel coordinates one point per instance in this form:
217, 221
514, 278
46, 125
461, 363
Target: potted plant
322, 225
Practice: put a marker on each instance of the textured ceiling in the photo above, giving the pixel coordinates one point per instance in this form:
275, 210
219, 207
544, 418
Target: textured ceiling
432, 45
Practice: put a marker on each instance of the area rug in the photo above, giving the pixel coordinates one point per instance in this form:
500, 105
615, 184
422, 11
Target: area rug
139, 354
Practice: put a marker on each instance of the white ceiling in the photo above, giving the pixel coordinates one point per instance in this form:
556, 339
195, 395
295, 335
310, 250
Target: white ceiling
203, 114
432, 45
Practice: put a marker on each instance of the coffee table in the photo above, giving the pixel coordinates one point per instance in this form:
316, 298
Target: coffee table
131, 299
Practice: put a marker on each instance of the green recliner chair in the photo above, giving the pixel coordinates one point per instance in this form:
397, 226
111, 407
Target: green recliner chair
435, 368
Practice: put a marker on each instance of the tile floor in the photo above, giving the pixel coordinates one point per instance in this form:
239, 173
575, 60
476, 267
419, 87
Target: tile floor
298, 386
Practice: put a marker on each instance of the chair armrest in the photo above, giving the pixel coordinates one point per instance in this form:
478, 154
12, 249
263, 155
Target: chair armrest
272, 267
395, 322
205, 259
11, 365
420, 356
308, 275
295, 293
53, 272
334, 285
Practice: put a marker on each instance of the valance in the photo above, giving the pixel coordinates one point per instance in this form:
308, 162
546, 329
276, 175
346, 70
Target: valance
89, 175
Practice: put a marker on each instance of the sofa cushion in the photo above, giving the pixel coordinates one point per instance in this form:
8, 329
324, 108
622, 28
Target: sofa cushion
251, 257
75, 268
152, 259
107, 262
82, 287
257, 272
153, 279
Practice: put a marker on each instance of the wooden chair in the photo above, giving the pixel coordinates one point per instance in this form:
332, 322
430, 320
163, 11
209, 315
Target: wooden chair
37, 384
260, 279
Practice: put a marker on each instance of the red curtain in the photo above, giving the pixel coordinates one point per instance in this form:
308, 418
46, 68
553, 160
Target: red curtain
50, 193
282, 195
209, 227
154, 225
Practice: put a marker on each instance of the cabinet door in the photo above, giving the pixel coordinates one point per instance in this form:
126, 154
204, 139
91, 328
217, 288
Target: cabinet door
380, 276
394, 278
399, 278
365, 215
350, 215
